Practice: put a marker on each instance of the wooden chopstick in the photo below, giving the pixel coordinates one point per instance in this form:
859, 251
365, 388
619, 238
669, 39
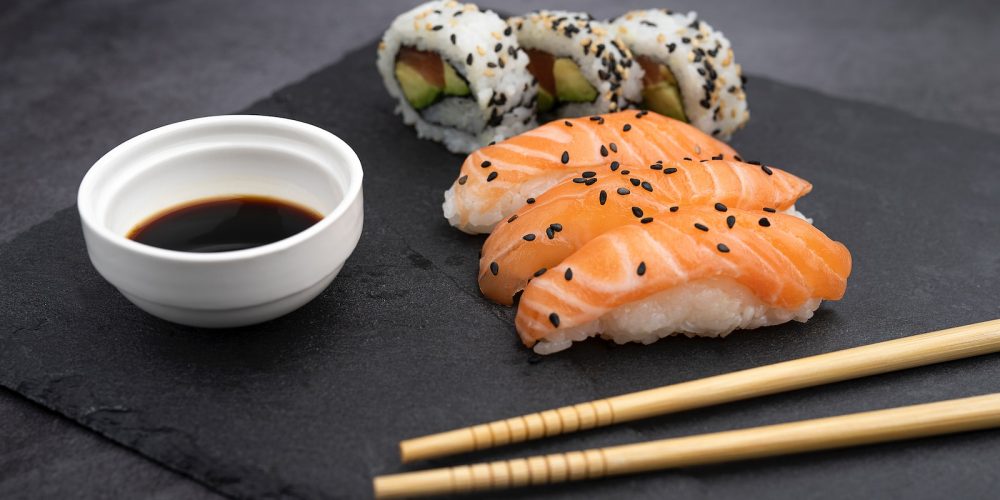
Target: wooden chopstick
908, 352
946, 417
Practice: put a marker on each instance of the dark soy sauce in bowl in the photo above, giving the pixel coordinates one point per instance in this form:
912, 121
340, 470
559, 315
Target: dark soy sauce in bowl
224, 224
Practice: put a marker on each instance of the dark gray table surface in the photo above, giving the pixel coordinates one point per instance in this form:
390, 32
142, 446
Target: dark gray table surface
77, 78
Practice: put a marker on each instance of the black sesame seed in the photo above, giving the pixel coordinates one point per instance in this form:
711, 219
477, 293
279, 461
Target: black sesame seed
540, 272
646, 220
720, 207
494, 268
529, 201
614, 165
529, 237
641, 269
491, 65
669, 170
588, 174
485, 164
579, 180
764, 222
623, 191
568, 274
656, 166
452, 38
604, 150
468, 60
671, 47
591, 181
489, 178
508, 31
595, 118
701, 226
613, 147
674, 209
754, 162
565, 157
604, 196
647, 186
550, 233
636, 211
554, 319
498, 47
731, 221
722, 248
717, 157
626, 172
462, 180
556, 226
686, 40
437, 28
767, 170
512, 218
771, 210
687, 158
626, 128
567, 123
634, 181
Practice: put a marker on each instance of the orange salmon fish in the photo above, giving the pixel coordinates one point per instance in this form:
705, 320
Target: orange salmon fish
497, 180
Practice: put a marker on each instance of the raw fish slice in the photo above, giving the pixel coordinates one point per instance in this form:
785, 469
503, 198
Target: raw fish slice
577, 210
685, 272
497, 180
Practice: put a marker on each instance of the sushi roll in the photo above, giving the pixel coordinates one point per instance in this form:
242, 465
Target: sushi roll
457, 74
691, 272
497, 180
580, 67
688, 69
577, 210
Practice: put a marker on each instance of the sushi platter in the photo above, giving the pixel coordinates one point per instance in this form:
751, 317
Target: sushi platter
531, 239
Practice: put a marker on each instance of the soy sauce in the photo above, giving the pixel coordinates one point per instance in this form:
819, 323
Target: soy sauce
224, 224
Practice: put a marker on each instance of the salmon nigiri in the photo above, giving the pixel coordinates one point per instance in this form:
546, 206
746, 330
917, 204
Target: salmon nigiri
497, 180
693, 271
579, 209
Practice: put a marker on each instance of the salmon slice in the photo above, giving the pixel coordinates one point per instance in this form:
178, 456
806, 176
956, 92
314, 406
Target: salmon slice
579, 209
497, 180
685, 272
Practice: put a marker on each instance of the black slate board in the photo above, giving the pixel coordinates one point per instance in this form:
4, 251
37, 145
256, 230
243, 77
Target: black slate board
312, 405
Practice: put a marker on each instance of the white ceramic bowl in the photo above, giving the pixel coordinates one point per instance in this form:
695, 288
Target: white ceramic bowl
217, 156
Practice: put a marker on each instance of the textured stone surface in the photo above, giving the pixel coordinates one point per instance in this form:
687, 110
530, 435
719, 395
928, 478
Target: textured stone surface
401, 344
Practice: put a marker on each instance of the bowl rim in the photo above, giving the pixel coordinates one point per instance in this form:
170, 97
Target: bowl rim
108, 160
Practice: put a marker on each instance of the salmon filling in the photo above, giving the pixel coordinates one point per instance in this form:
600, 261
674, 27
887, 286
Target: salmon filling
559, 80
425, 78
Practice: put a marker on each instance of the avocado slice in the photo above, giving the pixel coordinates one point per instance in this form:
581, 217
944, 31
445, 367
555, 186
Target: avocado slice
571, 85
660, 91
453, 83
546, 101
418, 92
664, 99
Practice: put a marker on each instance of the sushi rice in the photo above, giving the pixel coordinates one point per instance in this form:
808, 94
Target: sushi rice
484, 52
603, 60
712, 307
701, 60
